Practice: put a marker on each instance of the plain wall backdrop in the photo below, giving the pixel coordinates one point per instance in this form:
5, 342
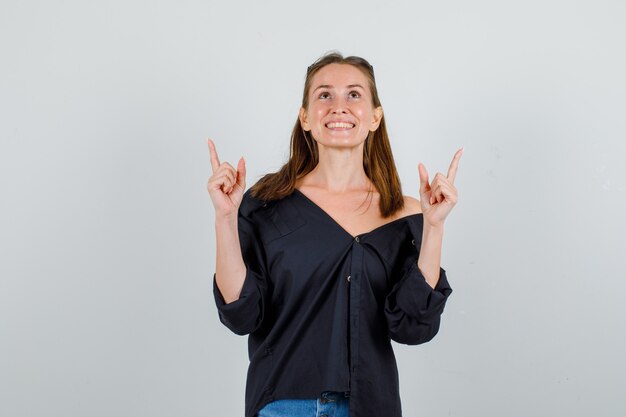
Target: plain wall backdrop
107, 241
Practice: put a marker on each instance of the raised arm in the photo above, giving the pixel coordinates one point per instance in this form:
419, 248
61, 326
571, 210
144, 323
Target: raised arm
226, 188
437, 201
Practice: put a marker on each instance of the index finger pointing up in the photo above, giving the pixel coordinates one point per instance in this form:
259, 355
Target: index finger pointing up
215, 162
454, 165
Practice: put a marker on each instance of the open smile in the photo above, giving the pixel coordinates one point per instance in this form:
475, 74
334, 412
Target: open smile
339, 125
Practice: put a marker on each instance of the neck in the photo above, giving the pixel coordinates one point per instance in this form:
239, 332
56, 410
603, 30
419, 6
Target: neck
339, 170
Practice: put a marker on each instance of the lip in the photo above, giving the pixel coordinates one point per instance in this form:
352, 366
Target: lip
340, 125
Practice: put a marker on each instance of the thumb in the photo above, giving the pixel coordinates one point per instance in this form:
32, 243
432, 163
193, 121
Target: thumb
424, 185
241, 172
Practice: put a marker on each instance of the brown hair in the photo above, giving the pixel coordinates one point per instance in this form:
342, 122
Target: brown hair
377, 156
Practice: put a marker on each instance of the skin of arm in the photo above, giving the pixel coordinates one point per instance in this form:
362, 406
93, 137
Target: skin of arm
226, 188
437, 200
230, 270
429, 261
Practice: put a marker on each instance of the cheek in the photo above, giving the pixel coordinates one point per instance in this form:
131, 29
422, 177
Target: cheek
366, 116
317, 115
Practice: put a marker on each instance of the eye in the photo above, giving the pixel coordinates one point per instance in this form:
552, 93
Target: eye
354, 94
324, 95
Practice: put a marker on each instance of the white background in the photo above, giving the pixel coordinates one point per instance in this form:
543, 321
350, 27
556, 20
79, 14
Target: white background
107, 243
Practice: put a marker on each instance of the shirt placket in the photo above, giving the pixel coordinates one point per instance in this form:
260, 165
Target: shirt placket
355, 282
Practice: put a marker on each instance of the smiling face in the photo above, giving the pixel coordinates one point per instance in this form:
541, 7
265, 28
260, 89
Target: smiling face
340, 109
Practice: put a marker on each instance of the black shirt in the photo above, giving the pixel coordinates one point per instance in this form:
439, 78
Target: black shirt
321, 306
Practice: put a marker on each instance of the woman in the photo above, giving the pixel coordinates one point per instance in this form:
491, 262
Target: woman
325, 262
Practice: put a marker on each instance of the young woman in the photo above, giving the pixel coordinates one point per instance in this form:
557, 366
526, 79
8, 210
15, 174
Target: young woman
324, 262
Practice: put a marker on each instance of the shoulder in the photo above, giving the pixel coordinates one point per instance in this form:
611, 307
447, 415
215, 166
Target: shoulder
411, 206
250, 204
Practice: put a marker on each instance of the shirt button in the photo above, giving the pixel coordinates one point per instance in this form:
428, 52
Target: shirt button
413, 242
348, 278
357, 239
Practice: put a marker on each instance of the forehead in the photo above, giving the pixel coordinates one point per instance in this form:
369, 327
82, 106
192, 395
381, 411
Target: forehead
338, 76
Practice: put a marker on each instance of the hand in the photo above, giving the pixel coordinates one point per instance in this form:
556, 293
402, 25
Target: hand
227, 184
438, 199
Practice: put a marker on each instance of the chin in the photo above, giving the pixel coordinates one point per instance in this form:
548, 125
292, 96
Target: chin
339, 142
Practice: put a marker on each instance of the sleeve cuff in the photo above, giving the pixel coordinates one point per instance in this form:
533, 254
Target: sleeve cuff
242, 315
418, 299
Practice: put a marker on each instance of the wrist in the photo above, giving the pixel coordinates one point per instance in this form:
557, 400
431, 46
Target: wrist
226, 220
433, 228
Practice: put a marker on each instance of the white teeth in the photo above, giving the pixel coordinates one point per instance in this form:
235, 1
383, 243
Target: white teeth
339, 125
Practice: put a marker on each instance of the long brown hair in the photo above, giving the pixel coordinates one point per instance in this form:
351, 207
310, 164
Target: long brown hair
378, 160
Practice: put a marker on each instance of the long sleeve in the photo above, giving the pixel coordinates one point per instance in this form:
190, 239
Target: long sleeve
413, 308
245, 314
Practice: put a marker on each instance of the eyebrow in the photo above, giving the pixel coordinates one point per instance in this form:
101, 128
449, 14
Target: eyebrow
330, 86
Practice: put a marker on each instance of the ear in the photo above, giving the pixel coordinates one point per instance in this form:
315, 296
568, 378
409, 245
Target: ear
378, 116
303, 119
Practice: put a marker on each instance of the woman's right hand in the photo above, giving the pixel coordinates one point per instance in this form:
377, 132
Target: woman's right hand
227, 184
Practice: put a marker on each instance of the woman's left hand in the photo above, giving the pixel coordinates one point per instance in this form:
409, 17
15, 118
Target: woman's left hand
439, 197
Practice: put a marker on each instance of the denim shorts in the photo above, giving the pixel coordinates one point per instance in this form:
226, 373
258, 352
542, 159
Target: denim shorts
330, 404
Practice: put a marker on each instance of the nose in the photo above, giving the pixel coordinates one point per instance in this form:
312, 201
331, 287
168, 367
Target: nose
339, 107
339, 110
